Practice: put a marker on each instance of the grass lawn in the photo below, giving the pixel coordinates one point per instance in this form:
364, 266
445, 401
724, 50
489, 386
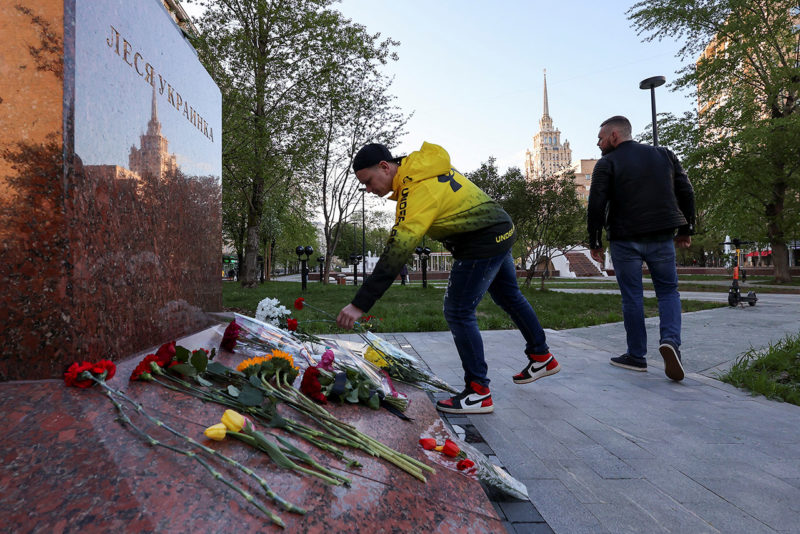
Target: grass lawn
683, 285
415, 309
773, 372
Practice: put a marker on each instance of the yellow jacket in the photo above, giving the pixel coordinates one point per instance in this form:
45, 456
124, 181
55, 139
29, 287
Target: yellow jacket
436, 200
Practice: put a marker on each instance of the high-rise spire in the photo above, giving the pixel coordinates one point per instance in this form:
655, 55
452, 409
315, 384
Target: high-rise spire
546, 107
153, 126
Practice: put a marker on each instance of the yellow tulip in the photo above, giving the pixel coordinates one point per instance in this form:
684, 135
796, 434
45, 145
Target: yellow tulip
233, 421
216, 432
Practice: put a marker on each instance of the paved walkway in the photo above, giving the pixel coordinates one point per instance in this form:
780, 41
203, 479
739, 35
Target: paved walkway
602, 449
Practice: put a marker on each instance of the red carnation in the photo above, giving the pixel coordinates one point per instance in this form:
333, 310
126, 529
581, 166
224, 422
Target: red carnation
291, 324
144, 367
428, 443
165, 353
104, 366
74, 371
298, 303
466, 463
230, 337
310, 385
450, 448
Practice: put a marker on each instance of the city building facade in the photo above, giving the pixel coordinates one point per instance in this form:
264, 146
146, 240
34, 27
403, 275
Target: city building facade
549, 155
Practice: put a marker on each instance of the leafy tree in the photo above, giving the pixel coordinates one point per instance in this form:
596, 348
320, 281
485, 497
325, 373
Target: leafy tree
546, 212
356, 109
270, 58
551, 220
682, 136
749, 127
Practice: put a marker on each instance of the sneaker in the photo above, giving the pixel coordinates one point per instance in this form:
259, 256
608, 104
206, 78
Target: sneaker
474, 399
539, 365
626, 361
672, 360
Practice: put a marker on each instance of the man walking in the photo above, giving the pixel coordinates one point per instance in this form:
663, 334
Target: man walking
641, 195
434, 199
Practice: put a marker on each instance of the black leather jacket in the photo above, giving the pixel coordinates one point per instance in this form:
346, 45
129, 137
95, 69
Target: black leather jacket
639, 191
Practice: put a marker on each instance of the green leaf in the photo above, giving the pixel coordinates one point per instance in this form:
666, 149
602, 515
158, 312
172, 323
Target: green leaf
212, 354
219, 369
233, 391
273, 451
199, 361
251, 396
184, 368
352, 396
182, 354
302, 455
374, 401
203, 382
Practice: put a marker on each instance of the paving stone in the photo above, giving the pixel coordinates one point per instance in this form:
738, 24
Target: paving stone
521, 512
726, 517
671, 481
560, 509
768, 499
531, 528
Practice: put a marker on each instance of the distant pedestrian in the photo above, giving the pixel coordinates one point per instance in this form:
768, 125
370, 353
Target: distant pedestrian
641, 195
436, 200
404, 274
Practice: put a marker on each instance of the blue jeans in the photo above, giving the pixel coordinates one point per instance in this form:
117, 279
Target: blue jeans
469, 281
628, 257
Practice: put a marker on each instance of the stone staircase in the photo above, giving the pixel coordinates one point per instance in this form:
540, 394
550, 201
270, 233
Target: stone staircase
581, 265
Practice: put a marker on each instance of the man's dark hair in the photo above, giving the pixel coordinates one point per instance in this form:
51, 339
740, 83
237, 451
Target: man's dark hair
621, 123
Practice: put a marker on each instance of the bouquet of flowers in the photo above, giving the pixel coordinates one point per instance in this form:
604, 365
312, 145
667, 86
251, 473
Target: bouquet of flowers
474, 464
342, 375
400, 365
254, 337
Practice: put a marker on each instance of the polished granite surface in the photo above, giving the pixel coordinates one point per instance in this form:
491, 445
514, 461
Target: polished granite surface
69, 466
110, 170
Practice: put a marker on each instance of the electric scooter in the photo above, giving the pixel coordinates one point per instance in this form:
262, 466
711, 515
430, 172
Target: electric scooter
735, 296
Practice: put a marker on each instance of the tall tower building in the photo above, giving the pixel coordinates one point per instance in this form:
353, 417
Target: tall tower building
548, 156
153, 157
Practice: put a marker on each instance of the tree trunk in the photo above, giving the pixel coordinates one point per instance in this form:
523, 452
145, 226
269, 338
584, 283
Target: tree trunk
780, 261
780, 253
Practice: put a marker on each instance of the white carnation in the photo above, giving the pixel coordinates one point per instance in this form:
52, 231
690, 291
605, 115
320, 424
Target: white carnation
271, 311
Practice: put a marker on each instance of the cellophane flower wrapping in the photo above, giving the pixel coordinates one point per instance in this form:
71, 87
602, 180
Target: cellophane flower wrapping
257, 338
403, 366
484, 470
347, 357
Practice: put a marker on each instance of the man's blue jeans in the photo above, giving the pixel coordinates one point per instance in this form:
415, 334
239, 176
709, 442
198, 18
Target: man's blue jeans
628, 257
469, 281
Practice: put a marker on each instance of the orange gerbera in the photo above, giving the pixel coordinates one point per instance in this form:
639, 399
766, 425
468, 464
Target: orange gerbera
252, 361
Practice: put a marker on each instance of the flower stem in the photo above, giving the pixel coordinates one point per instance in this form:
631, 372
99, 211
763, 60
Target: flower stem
216, 474
139, 408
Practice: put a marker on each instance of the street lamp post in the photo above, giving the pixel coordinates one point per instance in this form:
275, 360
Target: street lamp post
307, 251
363, 235
424, 253
652, 83
321, 261
354, 259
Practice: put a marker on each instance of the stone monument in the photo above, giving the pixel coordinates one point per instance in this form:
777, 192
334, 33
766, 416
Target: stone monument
110, 183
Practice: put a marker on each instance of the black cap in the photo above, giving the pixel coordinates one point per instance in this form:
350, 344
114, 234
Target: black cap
372, 154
